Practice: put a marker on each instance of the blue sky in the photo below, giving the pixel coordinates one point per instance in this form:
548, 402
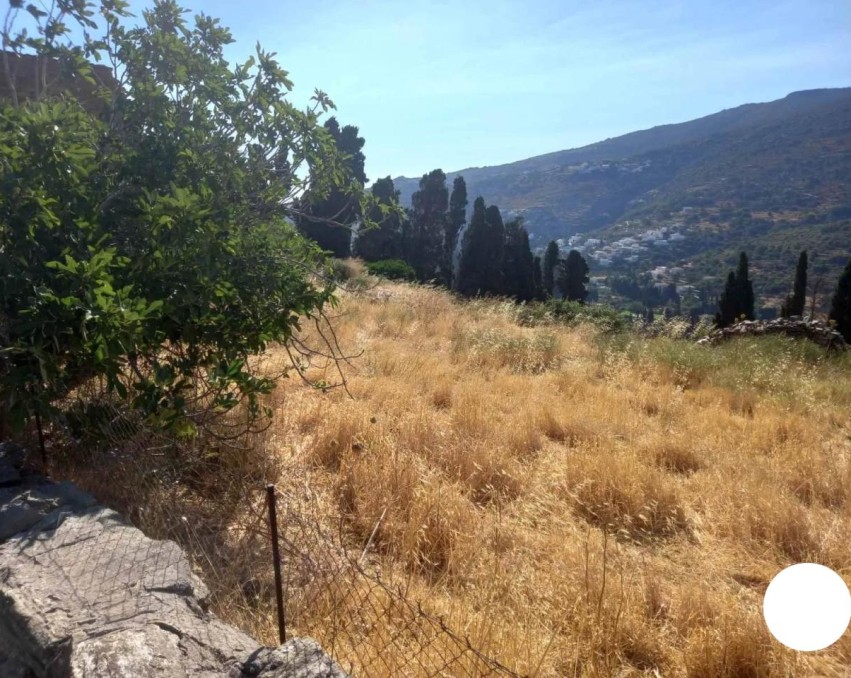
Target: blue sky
461, 84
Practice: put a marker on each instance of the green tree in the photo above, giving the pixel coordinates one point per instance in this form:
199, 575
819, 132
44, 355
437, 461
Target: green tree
383, 241
840, 306
551, 258
454, 224
329, 217
573, 277
794, 304
151, 249
428, 222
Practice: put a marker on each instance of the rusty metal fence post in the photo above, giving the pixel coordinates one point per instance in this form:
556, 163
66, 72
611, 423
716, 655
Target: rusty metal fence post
276, 562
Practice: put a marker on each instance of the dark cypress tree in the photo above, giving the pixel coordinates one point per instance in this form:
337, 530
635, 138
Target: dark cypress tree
744, 289
329, 220
840, 305
428, 217
737, 300
526, 287
550, 263
494, 282
795, 302
538, 277
728, 303
572, 277
471, 268
456, 220
517, 263
385, 240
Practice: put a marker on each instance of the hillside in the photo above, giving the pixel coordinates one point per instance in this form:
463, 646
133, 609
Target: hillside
561, 497
758, 170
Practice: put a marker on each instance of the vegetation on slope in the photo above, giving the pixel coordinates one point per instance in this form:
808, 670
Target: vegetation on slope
577, 503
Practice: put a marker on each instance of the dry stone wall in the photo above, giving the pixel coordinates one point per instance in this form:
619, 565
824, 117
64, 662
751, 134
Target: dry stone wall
85, 594
814, 330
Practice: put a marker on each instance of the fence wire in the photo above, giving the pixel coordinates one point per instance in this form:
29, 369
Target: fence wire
369, 624
197, 495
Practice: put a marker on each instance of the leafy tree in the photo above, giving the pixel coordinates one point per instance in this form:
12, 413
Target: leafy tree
329, 217
457, 219
383, 241
572, 277
151, 250
517, 263
428, 223
551, 258
840, 306
794, 304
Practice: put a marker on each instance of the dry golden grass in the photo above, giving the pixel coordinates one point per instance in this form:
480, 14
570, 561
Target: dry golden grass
576, 506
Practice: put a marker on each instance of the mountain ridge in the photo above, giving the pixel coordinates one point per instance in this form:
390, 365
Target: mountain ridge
759, 176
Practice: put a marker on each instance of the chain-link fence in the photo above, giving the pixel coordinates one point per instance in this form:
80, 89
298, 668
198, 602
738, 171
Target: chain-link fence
362, 615
209, 496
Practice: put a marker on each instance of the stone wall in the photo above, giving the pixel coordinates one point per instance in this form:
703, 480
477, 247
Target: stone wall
85, 594
814, 330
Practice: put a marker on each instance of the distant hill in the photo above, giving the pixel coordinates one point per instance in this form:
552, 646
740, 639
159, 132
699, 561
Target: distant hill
760, 173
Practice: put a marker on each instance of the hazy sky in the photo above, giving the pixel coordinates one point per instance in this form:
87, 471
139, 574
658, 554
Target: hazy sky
461, 84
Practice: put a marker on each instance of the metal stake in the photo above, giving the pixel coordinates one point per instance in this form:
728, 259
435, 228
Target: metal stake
276, 562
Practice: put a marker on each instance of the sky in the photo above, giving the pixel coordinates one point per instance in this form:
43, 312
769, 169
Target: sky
465, 84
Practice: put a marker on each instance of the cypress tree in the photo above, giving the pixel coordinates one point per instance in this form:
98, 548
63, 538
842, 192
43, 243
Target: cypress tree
527, 267
494, 247
794, 304
329, 221
744, 290
550, 263
737, 300
518, 263
471, 275
428, 217
480, 269
840, 305
538, 277
573, 275
727, 303
385, 241
456, 220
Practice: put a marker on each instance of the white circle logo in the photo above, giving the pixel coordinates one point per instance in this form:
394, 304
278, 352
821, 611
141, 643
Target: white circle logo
807, 607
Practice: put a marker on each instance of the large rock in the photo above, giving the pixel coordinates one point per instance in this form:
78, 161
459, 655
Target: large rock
85, 594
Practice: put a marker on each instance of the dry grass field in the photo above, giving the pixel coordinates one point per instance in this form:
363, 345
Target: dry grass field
575, 503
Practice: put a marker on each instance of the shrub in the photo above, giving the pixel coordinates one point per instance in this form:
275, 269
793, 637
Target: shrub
395, 269
152, 248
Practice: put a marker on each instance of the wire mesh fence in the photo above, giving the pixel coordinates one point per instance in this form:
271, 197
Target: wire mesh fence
210, 498
365, 618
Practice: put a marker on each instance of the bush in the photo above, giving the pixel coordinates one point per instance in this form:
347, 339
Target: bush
605, 318
152, 248
343, 270
394, 269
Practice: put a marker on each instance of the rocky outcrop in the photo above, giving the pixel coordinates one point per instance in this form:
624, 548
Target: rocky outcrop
85, 594
814, 330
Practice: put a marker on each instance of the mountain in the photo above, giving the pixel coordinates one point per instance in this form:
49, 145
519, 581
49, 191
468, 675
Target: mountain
773, 176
